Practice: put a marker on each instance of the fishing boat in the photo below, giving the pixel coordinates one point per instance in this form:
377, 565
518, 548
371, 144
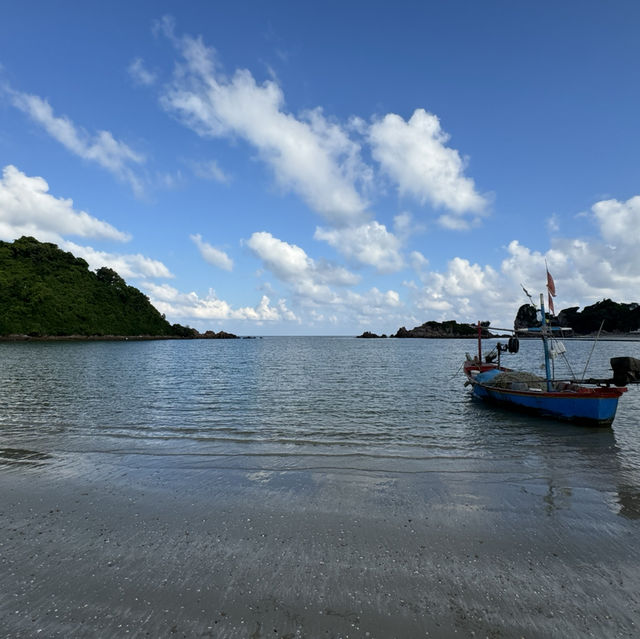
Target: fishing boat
589, 402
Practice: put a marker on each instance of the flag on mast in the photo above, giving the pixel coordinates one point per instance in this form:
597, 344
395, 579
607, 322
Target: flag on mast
551, 286
551, 289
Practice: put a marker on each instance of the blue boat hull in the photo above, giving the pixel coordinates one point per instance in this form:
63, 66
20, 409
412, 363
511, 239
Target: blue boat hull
580, 409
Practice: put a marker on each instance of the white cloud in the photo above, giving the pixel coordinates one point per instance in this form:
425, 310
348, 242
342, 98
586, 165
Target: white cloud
290, 264
414, 154
140, 74
369, 243
463, 278
309, 280
586, 270
102, 148
27, 208
210, 171
173, 303
553, 224
418, 261
127, 266
287, 261
373, 302
308, 154
454, 222
403, 226
619, 221
524, 265
212, 255
464, 292
169, 181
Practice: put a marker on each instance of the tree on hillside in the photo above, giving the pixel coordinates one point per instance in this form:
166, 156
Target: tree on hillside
47, 291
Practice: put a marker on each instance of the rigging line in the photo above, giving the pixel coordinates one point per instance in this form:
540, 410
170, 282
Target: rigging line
592, 348
566, 361
456, 373
564, 357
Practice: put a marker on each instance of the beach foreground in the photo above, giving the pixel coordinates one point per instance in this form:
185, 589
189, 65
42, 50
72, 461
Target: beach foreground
102, 550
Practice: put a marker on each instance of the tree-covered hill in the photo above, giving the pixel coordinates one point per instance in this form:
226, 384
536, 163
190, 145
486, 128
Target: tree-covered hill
45, 291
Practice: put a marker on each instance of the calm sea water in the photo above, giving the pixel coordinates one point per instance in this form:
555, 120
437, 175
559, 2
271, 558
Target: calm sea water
272, 404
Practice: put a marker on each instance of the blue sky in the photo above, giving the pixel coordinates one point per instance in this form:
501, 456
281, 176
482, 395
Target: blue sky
328, 168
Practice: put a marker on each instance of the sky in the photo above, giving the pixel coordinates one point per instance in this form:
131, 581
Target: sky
326, 168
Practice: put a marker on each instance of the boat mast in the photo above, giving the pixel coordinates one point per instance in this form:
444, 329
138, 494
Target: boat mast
479, 343
543, 332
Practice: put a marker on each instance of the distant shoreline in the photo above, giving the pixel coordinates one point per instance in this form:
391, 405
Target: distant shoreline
103, 338
149, 338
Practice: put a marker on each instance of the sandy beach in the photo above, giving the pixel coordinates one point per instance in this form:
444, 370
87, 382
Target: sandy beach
224, 553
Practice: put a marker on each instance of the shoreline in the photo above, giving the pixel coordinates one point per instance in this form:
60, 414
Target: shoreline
105, 338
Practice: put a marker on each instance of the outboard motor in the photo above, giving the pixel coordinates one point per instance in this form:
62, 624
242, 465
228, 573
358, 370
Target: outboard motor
626, 370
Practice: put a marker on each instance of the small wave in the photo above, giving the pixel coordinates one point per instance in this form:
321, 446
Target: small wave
14, 456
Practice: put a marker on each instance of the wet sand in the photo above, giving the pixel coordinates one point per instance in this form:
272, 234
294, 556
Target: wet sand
105, 549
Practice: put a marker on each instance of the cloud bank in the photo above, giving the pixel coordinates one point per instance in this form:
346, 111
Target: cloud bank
27, 208
173, 303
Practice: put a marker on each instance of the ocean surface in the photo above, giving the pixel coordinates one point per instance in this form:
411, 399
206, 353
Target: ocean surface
283, 403
306, 487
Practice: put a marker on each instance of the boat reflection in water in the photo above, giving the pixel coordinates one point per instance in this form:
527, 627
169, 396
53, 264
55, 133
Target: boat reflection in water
571, 469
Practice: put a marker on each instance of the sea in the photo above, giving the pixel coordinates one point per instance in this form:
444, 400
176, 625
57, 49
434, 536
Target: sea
281, 403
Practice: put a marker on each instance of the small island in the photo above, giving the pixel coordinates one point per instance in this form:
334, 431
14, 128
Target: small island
442, 330
47, 293
449, 329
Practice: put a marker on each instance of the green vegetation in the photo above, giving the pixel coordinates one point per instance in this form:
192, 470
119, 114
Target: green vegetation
45, 291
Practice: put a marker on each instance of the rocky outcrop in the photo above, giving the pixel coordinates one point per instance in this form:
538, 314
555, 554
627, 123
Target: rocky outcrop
613, 317
214, 335
526, 317
439, 330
